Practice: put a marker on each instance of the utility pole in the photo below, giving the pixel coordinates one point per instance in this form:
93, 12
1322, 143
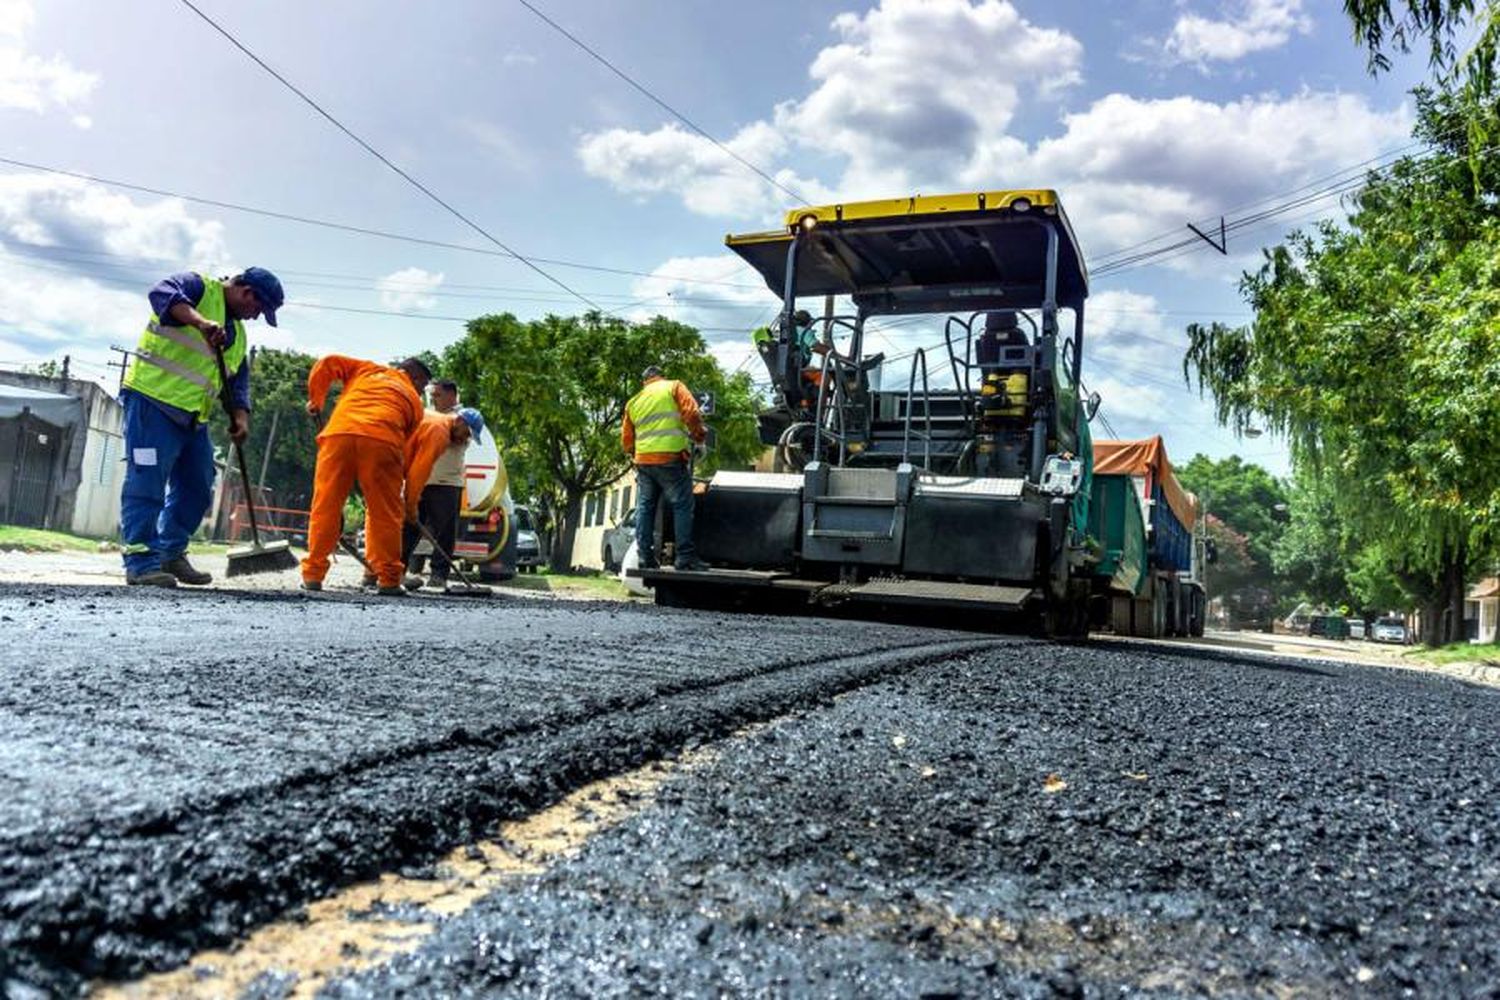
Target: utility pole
265, 456
122, 364
67, 362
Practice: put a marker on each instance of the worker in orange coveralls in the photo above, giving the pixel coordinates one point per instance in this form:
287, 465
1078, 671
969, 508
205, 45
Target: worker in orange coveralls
365, 442
438, 433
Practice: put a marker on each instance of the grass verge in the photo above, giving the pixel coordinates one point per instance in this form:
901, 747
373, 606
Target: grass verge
14, 539
1486, 654
598, 586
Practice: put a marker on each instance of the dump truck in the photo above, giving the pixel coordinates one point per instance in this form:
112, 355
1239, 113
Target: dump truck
958, 481
1148, 580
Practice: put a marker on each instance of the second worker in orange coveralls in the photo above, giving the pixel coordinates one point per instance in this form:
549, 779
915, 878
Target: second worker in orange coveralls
364, 442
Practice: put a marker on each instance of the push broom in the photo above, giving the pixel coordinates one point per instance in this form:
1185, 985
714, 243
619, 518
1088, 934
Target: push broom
467, 588
257, 557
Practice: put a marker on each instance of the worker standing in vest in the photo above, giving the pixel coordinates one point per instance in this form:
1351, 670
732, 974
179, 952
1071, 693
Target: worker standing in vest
172, 387
662, 423
364, 442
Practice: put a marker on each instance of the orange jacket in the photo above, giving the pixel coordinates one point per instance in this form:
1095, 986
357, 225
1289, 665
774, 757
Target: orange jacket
377, 402
423, 449
688, 407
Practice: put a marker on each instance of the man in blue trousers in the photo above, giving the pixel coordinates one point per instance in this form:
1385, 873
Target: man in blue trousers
172, 387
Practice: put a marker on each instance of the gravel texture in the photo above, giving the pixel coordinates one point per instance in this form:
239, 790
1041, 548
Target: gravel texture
180, 766
1037, 821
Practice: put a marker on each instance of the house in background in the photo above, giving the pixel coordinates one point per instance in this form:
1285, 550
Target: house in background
62, 449
1482, 607
601, 510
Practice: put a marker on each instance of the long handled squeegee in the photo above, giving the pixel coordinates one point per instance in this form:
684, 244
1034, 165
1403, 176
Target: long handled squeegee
466, 588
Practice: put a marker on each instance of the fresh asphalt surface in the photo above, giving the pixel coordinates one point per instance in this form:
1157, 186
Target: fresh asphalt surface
913, 813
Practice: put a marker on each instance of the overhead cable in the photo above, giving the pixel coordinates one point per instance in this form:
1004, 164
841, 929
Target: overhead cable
617, 71
382, 158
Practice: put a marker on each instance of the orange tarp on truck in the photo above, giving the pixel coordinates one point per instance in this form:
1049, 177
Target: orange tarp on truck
1147, 458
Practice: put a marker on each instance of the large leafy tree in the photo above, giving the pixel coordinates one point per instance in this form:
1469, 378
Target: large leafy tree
1245, 523
1314, 555
554, 392
1244, 496
282, 447
1375, 349
1387, 26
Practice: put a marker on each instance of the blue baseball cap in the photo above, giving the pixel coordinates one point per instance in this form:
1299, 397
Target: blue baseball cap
267, 288
474, 419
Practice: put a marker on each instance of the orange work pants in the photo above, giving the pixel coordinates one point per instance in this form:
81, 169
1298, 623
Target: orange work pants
379, 468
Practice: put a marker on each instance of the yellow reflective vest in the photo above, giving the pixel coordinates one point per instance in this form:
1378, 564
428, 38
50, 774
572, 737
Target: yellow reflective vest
176, 365
659, 427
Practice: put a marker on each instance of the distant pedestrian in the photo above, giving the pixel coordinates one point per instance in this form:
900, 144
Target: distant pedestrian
442, 438
172, 387
364, 442
662, 423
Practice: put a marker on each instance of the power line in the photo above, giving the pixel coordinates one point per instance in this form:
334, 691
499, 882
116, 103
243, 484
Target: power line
1190, 244
359, 230
382, 158
658, 101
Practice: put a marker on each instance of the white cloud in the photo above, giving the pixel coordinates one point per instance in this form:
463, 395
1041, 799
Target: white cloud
29, 82
915, 86
409, 289
720, 295
922, 96
78, 260
1131, 167
1246, 26
709, 180
68, 214
54, 312
911, 88
1129, 400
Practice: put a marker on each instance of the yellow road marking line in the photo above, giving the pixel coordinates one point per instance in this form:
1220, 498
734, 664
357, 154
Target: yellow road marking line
351, 930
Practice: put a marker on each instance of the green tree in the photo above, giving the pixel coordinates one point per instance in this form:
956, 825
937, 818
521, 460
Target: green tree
1314, 555
554, 392
1244, 496
282, 447
1375, 349
1386, 26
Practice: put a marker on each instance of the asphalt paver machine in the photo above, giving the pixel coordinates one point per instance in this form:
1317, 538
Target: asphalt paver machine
955, 476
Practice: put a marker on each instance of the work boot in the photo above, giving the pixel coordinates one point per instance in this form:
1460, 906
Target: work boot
411, 582
151, 578
692, 564
185, 573
368, 580
312, 586
396, 591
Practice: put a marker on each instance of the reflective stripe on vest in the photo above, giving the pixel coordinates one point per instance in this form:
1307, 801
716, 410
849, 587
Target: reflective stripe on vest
659, 427
175, 365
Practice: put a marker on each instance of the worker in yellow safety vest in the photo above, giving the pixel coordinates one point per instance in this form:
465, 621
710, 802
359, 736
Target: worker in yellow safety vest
662, 425
172, 387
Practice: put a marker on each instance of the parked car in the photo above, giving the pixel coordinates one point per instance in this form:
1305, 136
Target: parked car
1389, 630
1356, 628
616, 541
528, 544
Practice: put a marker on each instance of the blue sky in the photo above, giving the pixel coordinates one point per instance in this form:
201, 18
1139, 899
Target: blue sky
1144, 115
